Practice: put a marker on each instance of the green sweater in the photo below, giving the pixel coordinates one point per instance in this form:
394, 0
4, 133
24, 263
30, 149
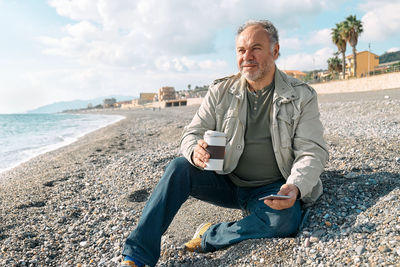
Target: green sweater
257, 165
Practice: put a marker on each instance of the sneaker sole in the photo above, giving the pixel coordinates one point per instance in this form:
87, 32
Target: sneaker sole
198, 230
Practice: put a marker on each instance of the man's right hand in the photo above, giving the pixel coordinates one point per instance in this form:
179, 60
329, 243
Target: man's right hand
200, 155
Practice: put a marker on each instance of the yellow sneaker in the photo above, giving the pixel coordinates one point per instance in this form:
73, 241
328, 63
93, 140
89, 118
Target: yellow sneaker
128, 264
194, 245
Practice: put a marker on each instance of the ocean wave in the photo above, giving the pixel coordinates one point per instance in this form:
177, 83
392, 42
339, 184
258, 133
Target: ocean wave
25, 136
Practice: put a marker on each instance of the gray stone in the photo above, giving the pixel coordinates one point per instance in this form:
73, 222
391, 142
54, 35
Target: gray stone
307, 242
360, 250
351, 175
318, 233
299, 260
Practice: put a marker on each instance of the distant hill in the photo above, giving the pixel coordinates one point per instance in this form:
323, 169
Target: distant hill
389, 57
76, 104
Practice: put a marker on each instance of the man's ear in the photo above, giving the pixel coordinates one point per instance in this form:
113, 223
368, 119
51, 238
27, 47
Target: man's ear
276, 51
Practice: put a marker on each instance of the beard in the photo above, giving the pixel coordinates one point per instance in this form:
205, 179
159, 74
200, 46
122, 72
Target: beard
261, 72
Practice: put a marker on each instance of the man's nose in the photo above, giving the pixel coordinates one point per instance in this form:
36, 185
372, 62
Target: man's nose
248, 55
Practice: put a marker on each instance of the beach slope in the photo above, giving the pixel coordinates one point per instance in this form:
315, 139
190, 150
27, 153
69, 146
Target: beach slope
76, 205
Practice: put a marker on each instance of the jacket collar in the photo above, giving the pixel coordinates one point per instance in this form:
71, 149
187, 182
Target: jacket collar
239, 87
283, 87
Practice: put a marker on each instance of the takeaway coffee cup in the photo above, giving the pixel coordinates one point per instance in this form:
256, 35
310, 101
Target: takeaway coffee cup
216, 149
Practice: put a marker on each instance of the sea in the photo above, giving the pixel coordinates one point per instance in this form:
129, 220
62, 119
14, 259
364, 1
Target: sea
24, 136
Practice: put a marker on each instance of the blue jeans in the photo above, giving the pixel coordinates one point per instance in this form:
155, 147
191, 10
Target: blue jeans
182, 180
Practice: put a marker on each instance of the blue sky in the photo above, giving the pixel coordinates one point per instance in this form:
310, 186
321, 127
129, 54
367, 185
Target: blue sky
60, 50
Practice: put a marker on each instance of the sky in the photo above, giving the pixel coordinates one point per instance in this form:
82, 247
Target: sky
62, 50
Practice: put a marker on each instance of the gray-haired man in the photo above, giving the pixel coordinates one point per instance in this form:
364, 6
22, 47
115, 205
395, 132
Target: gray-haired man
274, 145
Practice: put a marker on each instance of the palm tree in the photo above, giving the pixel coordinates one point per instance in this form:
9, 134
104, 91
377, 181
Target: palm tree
334, 65
339, 40
353, 28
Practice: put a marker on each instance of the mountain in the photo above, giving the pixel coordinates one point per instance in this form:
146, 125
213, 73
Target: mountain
76, 104
389, 57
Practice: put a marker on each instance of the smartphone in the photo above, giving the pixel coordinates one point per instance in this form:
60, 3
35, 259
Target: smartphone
275, 197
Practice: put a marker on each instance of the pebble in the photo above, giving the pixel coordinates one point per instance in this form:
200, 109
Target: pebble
299, 260
307, 243
360, 250
351, 175
384, 248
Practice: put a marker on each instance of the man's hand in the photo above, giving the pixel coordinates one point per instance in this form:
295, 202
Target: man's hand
200, 155
281, 204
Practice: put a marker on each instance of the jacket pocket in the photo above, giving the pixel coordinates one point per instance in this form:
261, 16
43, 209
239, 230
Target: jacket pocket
286, 131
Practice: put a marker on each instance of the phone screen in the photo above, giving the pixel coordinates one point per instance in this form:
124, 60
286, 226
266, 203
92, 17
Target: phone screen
275, 197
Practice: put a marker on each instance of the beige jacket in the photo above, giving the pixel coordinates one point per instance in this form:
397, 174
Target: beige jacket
296, 130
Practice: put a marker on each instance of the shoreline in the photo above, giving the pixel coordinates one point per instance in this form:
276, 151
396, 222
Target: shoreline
52, 147
77, 204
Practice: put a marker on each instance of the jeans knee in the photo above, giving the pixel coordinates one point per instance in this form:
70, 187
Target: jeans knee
280, 224
286, 228
178, 164
178, 169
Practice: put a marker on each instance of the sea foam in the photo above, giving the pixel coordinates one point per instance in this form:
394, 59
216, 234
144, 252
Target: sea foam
24, 136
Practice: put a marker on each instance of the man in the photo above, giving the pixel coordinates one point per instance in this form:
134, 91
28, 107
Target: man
274, 145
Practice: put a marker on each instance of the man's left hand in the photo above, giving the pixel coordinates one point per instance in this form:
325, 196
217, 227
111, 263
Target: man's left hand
281, 204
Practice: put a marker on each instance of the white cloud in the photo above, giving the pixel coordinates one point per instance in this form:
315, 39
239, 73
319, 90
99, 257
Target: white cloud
178, 27
186, 64
291, 43
381, 21
313, 39
393, 49
160, 35
127, 47
83, 30
77, 10
373, 4
305, 61
321, 37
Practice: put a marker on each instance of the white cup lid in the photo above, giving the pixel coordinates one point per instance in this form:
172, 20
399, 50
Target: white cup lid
214, 133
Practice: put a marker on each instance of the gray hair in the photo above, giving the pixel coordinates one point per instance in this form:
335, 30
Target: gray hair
268, 27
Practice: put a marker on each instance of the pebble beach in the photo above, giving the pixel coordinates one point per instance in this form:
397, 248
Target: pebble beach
76, 205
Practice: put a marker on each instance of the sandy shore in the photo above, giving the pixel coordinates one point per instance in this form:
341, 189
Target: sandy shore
77, 204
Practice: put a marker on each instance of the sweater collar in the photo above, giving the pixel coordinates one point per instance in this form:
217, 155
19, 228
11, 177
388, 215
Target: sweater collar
283, 87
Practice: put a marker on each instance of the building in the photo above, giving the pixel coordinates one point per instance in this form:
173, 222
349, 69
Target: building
366, 62
109, 102
146, 98
123, 104
166, 93
296, 74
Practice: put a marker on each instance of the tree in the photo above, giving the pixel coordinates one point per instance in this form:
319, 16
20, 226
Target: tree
309, 77
339, 40
352, 28
334, 65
